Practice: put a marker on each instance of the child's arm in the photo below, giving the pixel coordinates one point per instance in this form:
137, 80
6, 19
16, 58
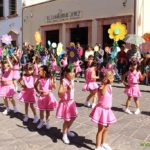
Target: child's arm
61, 90
103, 88
36, 86
142, 76
93, 76
16, 59
20, 82
123, 78
54, 83
10, 64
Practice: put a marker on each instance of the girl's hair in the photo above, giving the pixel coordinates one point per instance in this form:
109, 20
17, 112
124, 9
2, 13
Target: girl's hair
93, 64
28, 66
133, 63
91, 57
64, 55
68, 69
4, 62
46, 69
110, 76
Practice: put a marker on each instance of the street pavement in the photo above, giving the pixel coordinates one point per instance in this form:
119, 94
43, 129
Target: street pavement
131, 132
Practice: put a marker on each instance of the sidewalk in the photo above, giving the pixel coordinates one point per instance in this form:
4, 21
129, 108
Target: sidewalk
131, 132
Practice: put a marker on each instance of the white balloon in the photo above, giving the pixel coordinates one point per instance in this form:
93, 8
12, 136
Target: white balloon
49, 42
54, 45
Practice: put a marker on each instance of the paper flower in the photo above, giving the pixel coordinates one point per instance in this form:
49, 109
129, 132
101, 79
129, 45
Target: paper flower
72, 54
49, 43
60, 49
117, 31
146, 36
6, 39
145, 47
54, 45
96, 48
38, 37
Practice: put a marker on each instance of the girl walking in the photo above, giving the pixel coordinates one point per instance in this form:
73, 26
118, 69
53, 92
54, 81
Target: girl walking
132, 89
46, 101
102, 113
27, 94
67, 109
7, 89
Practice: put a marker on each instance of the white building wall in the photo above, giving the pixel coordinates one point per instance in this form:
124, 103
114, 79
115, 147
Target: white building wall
14, 23
32, 2
143, 17
35, 16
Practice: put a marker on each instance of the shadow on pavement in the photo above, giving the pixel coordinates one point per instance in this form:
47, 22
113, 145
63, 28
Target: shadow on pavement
53, 133
145, 91
117, 109
116, 86
80, 104
2, 107
81, 141
146, 113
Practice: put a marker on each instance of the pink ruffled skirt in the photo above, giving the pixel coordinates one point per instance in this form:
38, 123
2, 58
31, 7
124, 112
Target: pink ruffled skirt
66, 110
78, 69
90, 86
55, 68
27, 96
7, 90
47, 102
133, 91
103, 116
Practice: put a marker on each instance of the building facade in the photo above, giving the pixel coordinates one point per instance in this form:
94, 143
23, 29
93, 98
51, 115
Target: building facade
85, 21
11, 20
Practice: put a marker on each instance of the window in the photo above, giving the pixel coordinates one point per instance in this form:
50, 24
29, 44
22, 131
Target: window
1, 8
12, 7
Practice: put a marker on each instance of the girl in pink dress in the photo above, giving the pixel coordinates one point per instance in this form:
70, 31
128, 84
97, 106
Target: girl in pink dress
102, 113
91, 85
77, 68
46, 101
36, 61
132, 87
27, 94
55, 67
67, 109
7, 89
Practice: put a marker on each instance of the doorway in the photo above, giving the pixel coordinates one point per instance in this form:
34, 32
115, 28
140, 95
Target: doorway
106, 40
52, 36
79, 34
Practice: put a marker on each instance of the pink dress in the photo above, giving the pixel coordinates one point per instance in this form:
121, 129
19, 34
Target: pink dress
77, 66
55, 67
133, 89
90, 83
16, 72
27, 95
67, 109
7, 90
102, 113
47, 102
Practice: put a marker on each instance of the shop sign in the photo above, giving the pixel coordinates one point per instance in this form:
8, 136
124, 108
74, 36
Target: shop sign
64, 16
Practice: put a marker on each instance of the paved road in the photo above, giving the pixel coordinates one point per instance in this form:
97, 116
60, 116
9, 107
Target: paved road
129, 133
